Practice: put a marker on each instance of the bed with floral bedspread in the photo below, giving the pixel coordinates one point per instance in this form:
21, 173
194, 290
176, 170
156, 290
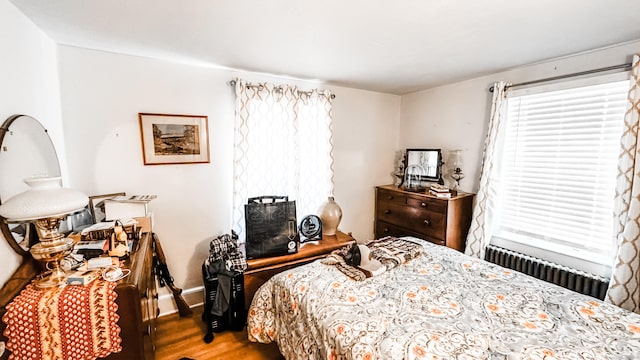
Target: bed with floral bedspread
440, 305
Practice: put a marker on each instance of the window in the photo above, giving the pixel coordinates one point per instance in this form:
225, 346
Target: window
557, 172
283, 146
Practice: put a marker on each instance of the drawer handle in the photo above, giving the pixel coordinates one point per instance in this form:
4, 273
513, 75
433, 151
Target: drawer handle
387, 211
386, 230
427, 222
146, 293
390, 197
423, 204
147, 331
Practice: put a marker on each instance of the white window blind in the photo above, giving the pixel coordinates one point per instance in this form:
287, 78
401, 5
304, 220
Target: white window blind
558, 170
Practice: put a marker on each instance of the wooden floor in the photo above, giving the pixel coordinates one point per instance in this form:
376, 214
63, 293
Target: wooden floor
178, 337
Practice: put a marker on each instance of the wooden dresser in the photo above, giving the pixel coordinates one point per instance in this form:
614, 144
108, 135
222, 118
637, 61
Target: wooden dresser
443, 221
260, 270
137, 301
138, 304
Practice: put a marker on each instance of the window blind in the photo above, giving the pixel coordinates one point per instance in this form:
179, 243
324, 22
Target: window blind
558, 169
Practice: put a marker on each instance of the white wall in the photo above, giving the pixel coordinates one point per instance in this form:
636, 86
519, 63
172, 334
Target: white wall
29, 86
455, 116
365, 141
102, 94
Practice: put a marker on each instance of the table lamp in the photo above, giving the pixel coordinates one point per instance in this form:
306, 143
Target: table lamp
456, 167
46, 203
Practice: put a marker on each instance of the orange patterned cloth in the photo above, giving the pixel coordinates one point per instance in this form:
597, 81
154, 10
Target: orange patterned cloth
68, 323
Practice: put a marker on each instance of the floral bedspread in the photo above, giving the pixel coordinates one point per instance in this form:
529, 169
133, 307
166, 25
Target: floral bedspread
441, 305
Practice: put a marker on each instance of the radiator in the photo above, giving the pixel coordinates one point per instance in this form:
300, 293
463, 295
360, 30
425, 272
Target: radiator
571, 279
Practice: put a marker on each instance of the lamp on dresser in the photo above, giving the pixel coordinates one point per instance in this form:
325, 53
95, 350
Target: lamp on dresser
456, 168
46, 203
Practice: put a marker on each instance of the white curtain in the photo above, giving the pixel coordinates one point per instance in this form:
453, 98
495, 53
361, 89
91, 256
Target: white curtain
283, 146
479, 232
624, 288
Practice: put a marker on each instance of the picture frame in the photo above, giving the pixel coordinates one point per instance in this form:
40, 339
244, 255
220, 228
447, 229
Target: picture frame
96, 205
174, 139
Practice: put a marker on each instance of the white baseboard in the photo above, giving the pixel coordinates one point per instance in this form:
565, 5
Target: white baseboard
193, 297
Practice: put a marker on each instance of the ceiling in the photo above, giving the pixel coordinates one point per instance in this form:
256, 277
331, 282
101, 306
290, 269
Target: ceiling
397, 46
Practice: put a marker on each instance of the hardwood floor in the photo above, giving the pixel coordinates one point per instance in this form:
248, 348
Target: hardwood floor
178, 337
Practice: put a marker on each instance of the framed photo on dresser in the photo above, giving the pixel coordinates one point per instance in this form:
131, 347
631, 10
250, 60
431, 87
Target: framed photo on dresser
96, 205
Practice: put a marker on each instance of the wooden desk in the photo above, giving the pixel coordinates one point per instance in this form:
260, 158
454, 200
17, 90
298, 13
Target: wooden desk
260, 270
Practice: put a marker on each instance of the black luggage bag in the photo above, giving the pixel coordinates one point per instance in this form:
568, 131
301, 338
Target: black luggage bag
234, 318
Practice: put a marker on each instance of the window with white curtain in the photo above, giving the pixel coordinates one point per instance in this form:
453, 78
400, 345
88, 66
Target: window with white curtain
283, 146
558, 172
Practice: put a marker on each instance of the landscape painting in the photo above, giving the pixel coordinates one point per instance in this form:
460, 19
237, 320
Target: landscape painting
174, 139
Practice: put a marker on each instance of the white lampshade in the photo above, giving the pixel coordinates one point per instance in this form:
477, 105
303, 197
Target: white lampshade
45, 198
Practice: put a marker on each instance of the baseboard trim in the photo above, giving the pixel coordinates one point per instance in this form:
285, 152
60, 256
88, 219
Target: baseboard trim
193, 297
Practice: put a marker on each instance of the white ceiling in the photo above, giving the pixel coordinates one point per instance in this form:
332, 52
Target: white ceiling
394, 46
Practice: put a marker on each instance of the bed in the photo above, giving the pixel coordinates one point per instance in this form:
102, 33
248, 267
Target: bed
440, 305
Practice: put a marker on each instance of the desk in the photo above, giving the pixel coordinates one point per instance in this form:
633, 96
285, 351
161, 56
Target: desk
260, 270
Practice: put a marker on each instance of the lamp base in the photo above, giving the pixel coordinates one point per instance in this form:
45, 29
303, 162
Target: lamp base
457, 176
52, 254
52, 279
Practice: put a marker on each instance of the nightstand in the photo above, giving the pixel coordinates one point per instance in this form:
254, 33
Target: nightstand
260, 270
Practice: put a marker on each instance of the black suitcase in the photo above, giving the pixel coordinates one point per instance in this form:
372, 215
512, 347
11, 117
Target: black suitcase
234, 318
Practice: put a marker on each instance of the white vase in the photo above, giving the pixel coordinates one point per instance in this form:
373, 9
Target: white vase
330, 213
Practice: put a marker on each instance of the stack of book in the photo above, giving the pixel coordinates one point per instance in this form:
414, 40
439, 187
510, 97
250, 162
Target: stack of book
440, 191
103, 230
121, 207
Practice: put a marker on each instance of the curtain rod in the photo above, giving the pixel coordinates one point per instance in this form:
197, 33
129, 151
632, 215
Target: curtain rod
608, 68
233, 83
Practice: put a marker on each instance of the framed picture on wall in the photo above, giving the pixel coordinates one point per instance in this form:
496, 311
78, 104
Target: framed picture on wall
174, 139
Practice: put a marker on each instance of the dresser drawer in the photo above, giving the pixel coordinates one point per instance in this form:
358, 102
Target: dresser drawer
385, 229
419, 220
426, 203
137, 306
390, 197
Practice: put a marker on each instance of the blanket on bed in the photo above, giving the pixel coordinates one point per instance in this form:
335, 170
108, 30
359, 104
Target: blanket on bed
441, 305
389, 251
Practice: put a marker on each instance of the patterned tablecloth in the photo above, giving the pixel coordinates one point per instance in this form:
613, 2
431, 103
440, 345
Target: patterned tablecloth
68, 323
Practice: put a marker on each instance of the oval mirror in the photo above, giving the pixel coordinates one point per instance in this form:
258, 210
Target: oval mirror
26, 151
